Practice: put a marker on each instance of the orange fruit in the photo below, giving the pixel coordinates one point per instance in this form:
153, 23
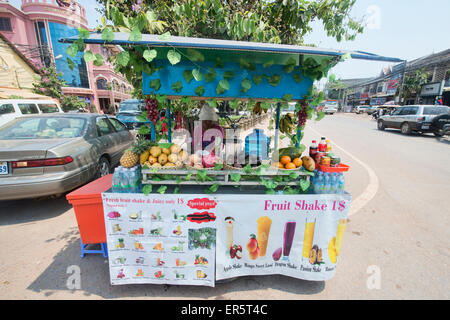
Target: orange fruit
285, 160
290, 165
298, 162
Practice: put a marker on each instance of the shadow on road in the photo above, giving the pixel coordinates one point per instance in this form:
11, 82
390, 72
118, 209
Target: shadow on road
95, 281
31, 210
418, 135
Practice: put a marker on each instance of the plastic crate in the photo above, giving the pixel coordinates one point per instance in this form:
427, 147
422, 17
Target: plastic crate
341, 168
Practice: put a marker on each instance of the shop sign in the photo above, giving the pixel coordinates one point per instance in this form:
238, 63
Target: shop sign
431, 89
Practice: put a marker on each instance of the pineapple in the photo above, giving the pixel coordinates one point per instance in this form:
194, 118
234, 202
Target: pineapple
131, 157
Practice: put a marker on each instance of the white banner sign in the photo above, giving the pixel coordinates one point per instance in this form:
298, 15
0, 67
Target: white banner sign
298, 236
160, 239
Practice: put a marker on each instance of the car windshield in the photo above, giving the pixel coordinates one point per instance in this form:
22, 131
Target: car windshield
131, 106
331, 103
435, 110
43, 128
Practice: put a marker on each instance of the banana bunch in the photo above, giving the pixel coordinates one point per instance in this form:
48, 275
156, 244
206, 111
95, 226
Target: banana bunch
287, 123
257, 108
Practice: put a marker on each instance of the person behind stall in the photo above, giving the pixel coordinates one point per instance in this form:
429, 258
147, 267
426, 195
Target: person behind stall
209, 120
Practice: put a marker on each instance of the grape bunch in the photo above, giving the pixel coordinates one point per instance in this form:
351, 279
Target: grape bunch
152, 109
302, 115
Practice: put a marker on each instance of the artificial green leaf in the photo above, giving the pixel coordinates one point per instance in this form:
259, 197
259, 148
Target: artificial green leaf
223, 86
70, 63
265, 105
72, 50
294, 175
270, 191
210, 75
98, 60
135, 35
200, 91
304, 184
149, 55
195, 55
176, 190
161, 98
186, 99
218, 63
197, 75
332, 78
174, 57
246, 85
233, 103
187, 75
287, 97
141, 117
247, 169
320, 115
155, 84
257, 79
147, 189
297, 77
212, 188
290, 65
346, 56
123, 58
212, 103
107, 34
89, 56
218, 166
165, 36
228, 75
162, 189
177, 86
268, 64
274, 80
143, 130
83, 33
235, 176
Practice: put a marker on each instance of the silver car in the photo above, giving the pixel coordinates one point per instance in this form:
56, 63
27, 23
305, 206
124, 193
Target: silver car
412, 118
45, 155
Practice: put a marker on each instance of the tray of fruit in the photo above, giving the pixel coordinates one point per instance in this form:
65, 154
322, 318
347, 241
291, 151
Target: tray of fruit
164, 156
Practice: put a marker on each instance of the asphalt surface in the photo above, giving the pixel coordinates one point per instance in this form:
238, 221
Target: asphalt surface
396, 244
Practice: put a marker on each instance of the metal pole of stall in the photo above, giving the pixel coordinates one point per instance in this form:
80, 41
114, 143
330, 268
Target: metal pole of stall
169, 123
277, 126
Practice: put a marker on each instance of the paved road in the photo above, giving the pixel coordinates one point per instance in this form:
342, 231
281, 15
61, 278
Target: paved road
397, 239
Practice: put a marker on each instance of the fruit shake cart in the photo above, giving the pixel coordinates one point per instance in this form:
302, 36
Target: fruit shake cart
199, 221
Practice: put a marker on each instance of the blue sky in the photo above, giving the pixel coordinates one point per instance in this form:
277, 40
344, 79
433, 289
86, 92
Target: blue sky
406, 29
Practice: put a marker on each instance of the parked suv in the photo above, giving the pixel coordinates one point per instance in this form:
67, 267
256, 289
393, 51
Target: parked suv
11, 109
413, 118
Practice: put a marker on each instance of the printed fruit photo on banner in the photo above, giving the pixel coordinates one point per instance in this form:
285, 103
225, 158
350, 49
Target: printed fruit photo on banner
252, 247
334, 246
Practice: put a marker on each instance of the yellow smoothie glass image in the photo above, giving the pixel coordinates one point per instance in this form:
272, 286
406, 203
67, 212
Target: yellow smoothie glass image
263, 227
340, 234
308, 238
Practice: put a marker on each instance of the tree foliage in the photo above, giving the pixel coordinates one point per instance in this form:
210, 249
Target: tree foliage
50, 84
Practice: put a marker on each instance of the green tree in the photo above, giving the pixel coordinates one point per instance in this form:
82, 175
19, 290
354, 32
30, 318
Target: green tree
50, 84
412, 84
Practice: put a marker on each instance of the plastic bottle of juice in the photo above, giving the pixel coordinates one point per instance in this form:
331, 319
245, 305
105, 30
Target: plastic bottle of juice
322, 145
116, 181
313, 149
328, 146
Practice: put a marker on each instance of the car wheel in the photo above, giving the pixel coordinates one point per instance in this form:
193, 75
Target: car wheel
406, 128
381, 125
104, 167
438, 133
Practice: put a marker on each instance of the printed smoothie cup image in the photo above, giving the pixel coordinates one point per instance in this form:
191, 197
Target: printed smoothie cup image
308, 238
264, 224
288, 238
340, 234
229, 225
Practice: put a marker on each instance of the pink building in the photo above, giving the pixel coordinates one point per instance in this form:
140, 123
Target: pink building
35, 30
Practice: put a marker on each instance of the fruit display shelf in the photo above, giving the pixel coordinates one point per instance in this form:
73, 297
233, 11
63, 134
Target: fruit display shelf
220, 177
